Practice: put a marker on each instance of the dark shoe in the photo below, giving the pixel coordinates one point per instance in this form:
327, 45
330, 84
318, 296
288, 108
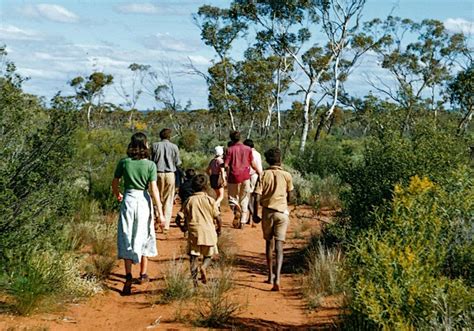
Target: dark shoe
127, 287
276, 288
143, 279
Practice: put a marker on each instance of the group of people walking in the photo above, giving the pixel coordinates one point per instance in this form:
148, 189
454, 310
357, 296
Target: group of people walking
150, 183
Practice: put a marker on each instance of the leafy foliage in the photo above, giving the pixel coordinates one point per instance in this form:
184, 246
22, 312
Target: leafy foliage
402, 284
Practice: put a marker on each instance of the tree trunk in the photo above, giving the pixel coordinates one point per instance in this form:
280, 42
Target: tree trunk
325, 117
89, 111
465, 121
307, 103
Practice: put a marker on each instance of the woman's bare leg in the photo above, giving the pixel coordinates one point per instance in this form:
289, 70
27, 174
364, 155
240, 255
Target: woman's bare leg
143, 265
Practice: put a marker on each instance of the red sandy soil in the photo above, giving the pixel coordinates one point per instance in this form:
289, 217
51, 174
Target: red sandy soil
262, 308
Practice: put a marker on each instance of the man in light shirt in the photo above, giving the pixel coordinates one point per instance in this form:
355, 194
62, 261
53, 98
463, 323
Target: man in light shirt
166, 156
257, 159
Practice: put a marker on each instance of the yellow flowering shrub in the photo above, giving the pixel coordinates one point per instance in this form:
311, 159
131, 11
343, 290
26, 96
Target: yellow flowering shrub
399, 266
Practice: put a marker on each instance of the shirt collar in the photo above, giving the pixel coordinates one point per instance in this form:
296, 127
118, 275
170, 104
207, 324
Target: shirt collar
199, 193
275, 167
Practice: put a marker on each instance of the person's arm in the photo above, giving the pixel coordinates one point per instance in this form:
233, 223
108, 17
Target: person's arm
218, 224
116, 190
256, 168
224, 178
155, 194
179, 220
256, 203
177, 159
289, 197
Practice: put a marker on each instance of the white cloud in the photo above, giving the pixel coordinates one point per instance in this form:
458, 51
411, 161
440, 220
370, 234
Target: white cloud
199, 60
139, 8
166, 42
11, 32
50, 12
460, 25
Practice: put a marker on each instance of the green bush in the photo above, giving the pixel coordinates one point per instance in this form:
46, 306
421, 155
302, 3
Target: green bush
398, 267
389, 159
189, 141
46, 277
310, 189
326, 157
195, 160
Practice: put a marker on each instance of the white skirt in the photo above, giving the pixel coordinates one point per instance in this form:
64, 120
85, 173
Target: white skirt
136, 228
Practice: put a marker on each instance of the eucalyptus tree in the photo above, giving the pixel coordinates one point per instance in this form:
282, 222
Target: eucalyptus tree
286, 28
461, 91
346, 44
90, 90
419, 57
132, 93
255, 89
219, 29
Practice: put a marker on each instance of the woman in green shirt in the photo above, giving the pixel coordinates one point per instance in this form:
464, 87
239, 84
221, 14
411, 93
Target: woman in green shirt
136, 231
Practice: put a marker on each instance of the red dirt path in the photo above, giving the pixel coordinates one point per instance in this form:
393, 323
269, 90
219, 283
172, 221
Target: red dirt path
265, 309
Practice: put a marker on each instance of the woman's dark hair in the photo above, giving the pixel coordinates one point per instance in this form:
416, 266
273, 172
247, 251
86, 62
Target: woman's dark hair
273, 156
165, 134
199, 183
137, 149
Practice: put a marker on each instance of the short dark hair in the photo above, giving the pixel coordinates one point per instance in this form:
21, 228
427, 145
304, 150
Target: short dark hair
199, 183
249, 143
165, 133
190, 173
273, 156
137, 148
234, 136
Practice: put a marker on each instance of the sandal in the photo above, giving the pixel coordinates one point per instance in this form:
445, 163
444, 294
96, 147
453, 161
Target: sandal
143, 279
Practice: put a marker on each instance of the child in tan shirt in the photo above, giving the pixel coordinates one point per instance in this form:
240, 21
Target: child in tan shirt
203, 222
273, 193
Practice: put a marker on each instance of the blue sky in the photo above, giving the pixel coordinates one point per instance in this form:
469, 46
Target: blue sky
55, 41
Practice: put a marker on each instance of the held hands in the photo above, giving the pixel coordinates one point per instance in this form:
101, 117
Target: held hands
256, 219
119, 197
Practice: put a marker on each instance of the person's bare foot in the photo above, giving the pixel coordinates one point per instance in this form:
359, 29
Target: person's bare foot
275, 288
269, 280
203, 275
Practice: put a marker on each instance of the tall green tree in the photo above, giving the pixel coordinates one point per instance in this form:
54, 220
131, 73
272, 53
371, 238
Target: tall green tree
419, 66
37, 151
461, 91
219, 29
90, 90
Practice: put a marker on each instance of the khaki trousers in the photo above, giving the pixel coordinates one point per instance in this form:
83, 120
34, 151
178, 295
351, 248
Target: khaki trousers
166, 187
239, 195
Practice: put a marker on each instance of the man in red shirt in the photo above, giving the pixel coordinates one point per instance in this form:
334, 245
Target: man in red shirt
238, 160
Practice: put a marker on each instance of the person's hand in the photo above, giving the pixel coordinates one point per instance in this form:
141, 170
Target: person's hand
162, 221
119, 197
256, 219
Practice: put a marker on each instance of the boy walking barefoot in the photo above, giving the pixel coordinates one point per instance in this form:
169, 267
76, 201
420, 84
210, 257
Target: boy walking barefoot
203, 222
273, 194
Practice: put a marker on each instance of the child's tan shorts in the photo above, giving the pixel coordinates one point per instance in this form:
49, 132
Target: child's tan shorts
274, 224
198, 250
